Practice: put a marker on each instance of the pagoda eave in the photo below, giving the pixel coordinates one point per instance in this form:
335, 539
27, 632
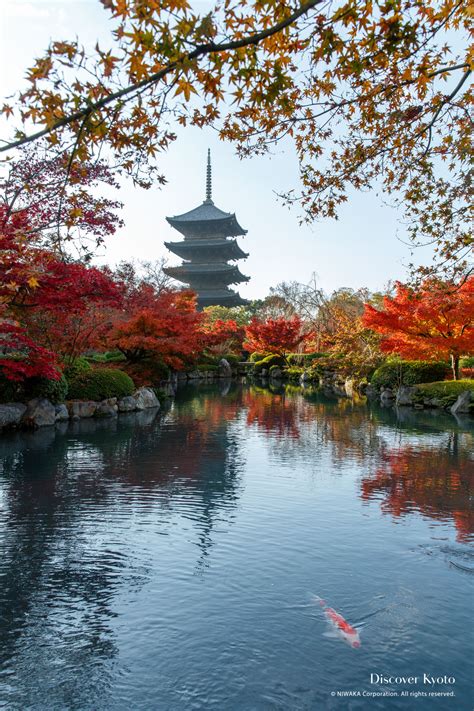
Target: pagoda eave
197, 248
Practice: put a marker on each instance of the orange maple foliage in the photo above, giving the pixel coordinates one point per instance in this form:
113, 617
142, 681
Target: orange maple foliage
433, 322
167, 331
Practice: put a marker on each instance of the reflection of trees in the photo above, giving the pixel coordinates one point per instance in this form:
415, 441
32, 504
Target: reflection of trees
436, 482
61, 571
433, 477
305, 427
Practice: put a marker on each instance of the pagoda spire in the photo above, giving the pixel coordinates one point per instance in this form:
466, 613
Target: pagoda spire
209, 177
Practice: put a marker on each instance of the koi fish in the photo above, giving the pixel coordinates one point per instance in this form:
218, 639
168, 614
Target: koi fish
340, 628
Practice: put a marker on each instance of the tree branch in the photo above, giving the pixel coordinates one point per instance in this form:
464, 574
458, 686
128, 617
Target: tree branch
200, 51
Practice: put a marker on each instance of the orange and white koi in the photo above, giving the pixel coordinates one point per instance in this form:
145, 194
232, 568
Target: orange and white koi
341, 628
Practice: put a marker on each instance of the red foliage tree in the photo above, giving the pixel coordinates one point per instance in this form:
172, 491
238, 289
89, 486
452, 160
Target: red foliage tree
57, 199
275, 335
435, 321
22, 358
167, 331
222, 336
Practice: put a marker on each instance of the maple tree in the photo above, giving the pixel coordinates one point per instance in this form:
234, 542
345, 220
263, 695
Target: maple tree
435, 321
48, 200
166, 331
21, 357
221, 336
367, 92
275, 335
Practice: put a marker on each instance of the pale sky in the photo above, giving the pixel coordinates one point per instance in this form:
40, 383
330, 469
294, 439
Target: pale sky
362, 248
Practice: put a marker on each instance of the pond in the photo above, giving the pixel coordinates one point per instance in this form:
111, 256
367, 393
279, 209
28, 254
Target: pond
173, 560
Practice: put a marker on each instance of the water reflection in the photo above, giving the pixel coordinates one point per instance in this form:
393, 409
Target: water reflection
140, 528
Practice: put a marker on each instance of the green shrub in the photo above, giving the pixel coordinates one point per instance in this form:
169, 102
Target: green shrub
304, 358
408, 372
100, 383
267, 363
79, 365
10, 391
293, 373
467, 362
446, 391
207, 367
114, 357
53, 390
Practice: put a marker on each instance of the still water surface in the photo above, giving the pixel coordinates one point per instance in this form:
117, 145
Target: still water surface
167, 561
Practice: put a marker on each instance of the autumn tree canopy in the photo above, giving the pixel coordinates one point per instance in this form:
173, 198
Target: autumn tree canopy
369, 93
436, 321
275, 335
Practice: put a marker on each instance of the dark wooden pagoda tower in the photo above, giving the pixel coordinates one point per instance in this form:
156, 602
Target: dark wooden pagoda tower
207, 249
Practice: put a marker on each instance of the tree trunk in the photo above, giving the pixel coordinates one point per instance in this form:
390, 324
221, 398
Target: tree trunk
455, 366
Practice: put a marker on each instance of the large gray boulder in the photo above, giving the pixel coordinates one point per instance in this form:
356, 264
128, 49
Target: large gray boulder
461, 406
107, 408
276, 373
39, 413
145, 398
79, 409
127, 404
225, 371
11, 414
61, 413
405, 395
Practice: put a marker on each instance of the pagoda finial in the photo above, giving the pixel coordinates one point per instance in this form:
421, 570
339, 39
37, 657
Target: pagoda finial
209, 177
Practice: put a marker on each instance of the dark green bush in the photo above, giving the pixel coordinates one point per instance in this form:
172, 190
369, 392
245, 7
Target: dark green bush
53, 390
10, 391
408, 372
114, 357
207, 367
101, 383
79, 365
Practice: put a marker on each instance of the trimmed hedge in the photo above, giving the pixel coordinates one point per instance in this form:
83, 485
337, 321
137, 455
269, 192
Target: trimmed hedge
408, 372
100, 384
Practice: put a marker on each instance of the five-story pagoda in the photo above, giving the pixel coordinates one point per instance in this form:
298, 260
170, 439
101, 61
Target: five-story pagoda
207, 249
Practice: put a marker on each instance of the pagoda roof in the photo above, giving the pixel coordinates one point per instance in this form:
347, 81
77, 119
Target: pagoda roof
220, 297
189, 270
226, 249
207, 215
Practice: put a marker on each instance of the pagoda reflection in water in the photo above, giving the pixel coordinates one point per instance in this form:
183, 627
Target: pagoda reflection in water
207, 249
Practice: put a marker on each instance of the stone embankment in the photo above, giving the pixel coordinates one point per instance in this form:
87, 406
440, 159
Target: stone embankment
40, 412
